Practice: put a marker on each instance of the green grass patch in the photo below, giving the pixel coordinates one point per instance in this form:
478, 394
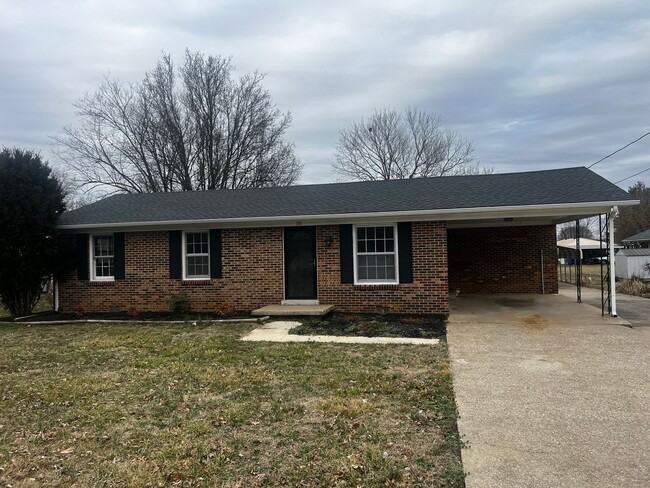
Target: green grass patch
429, 327
176, 405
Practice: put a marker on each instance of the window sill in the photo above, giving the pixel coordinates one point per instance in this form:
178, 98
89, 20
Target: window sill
101, 282
198, 281
376, 286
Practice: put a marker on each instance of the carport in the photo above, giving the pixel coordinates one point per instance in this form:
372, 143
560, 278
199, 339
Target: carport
517, 253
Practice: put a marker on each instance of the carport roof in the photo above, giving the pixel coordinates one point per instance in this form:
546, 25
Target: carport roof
423, 196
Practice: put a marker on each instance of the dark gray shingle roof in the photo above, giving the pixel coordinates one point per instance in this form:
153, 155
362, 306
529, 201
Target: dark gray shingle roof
570, 185
641, 236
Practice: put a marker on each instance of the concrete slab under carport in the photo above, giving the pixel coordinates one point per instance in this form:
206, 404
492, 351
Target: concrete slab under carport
525, 309
549, 393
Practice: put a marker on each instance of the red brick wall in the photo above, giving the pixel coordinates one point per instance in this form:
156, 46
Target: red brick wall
428, 294
502, 259
253, 276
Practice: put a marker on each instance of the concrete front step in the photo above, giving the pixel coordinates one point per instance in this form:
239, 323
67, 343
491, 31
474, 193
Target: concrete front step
292, 310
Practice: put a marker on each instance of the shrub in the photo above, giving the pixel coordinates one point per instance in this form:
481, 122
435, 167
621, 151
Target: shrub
180, 304
224, 310
79, 311
132, 311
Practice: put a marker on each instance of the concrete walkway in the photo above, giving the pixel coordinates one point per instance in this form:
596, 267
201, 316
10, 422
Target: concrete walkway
279, 332
550, 394
635, 310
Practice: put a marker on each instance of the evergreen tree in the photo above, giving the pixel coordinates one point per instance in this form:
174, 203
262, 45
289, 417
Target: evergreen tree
31, 201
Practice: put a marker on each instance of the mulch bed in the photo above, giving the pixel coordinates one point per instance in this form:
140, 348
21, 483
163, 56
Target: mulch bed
429, 327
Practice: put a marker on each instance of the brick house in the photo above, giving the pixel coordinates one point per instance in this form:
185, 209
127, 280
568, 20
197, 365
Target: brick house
396, 246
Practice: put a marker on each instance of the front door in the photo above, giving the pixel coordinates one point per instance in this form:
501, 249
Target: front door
300, 263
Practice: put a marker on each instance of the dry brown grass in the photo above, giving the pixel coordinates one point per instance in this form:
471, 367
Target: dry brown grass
163, 405
635, 287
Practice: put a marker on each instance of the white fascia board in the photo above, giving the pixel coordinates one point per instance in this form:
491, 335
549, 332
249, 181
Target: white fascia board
454, 214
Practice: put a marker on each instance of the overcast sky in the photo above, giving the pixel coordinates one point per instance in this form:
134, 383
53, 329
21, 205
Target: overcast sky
534, 84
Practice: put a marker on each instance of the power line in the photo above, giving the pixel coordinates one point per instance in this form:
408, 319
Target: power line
619, 150
635, 174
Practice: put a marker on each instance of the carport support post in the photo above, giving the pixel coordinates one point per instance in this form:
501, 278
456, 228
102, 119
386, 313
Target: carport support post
612, 263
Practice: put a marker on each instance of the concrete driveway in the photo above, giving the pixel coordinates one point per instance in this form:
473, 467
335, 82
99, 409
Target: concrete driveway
635, 310
550, 393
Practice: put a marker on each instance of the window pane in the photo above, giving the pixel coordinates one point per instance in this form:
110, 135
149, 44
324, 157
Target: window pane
103, 246
380, 246
361, 232
379, 233
370, 232
104, 267
362, 273
361, 246
197, 243
370, 246
198, 266
389, 232
390, 266
390, 246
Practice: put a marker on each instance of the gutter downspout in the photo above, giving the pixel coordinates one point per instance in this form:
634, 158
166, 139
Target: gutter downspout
56, 295
612, 262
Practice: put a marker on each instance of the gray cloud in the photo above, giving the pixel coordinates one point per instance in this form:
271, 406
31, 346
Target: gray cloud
534, 84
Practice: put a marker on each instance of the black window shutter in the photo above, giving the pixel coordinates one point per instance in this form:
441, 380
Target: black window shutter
346, 251
405, 251
118, 254
83, 259
175, 254
215, 253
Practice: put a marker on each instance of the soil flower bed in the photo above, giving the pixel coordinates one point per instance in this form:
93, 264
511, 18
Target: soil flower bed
430, 327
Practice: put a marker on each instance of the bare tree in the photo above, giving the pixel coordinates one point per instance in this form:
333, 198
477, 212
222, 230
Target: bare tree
192, 128
392, 145
568, 230
632, 220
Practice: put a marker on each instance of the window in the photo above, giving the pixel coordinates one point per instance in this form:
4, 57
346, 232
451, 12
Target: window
102, 251
197, 256
375, 254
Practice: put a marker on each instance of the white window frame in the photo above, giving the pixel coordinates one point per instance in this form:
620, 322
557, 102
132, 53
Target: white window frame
356, 254
195, 278
93, 267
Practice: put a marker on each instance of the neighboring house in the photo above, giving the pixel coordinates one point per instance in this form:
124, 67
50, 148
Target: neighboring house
630, 263
642, 240
392, 246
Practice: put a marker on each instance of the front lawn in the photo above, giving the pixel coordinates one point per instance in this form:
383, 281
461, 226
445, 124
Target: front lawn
176, 405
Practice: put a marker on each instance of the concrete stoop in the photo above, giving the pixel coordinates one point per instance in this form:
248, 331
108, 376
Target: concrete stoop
293, 310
